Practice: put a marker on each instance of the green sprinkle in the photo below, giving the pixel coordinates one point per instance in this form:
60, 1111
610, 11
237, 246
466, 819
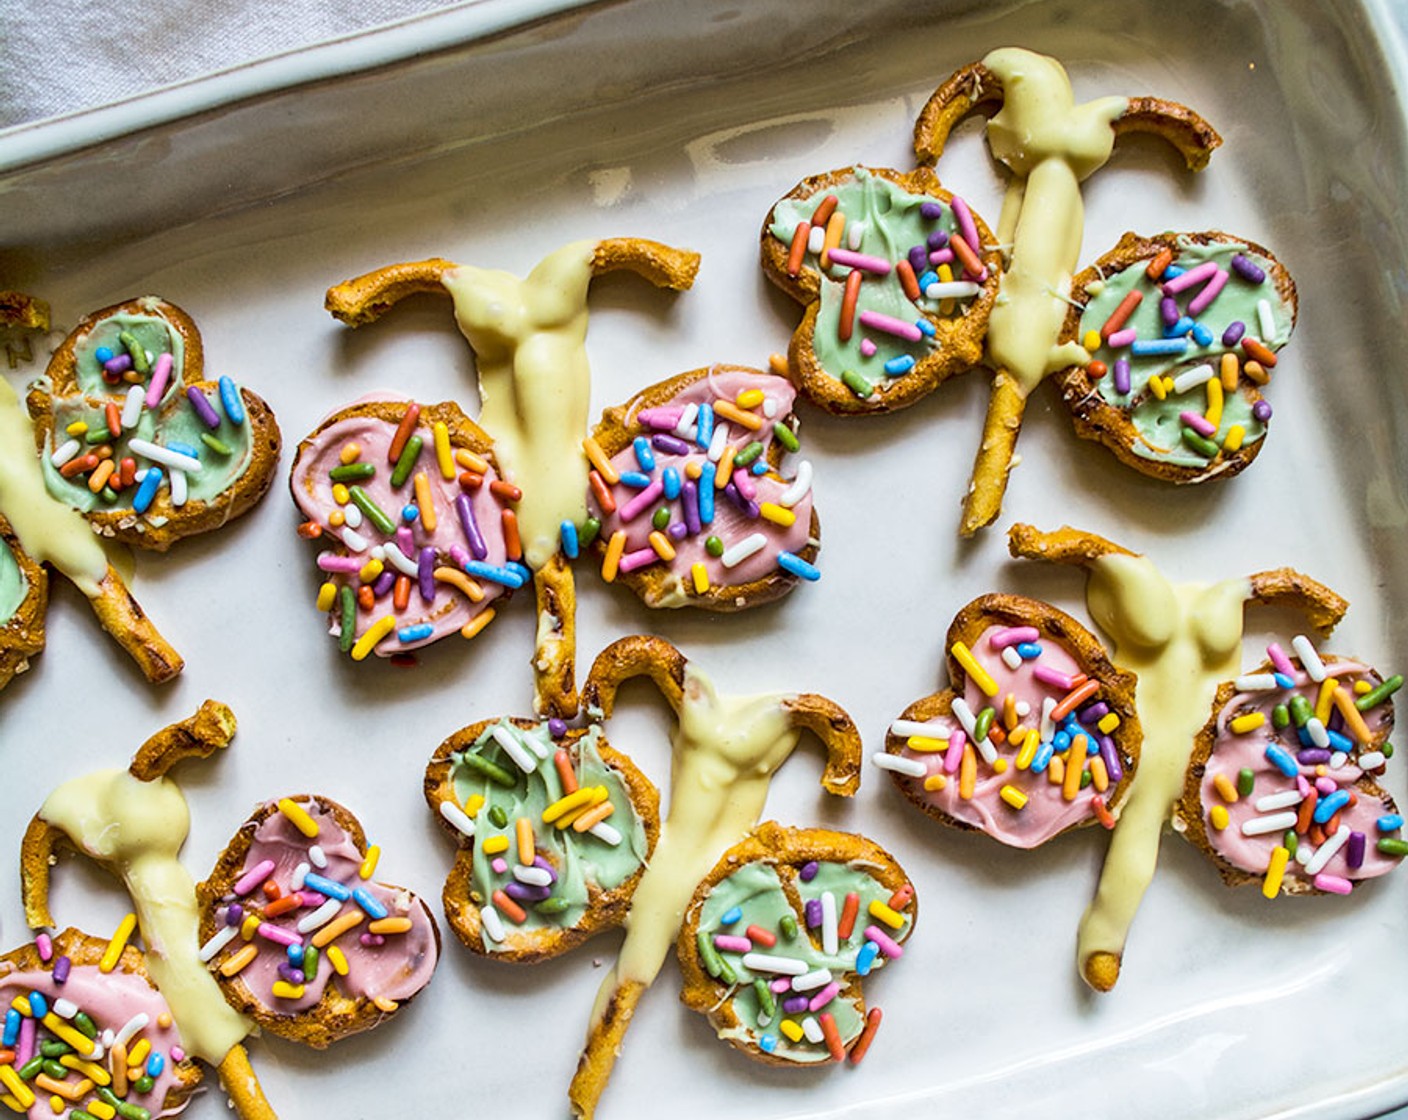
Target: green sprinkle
31, 1068
860, 386
726, 973
708, 955
310, 961
1281, 717
85, 1025
364, 502
661, 518
587, 531
51, 1066
1085, 778
983, 724
1290, 842
136, 349
1300, 710
352, 472
347, 633
497, 817
767, 1002
788, 926
1246, 782
550, 906
54, 1048
1387, 750
144, 1083
1200, 444
1378, 695
220, 447
406, 463
785, 436
108, 495
713, 546
1392, 846
79, 1114
95, 436
745, 457
483, 768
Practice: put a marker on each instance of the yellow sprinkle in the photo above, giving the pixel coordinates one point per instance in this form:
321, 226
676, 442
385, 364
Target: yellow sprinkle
337, 519
282, 989
119, 941
385, 1005
390, 925
563, 804
21, 1004
1256, 372
926, 743
378, 630
1244, 723
1108, 722
725, 471
778, 515
444, 455
327, 596
91, 1069
1271, 885
495, 845
373, 857
835, 226
935, 782
1013, 796
1091, 341
1156, 386
750, 420
946, 274
662, 546
615, 547
792, 1029
458, 580
1361, 686
1235, 435
22, 1092
72, 1091
1228, 371
979, 675
700, 573
337, 927
527, 850
138, 1054
350, 453
1214, 411
425, 503
999, 766
1099, 776
340, 494
1031, 740
298, 817
56, 1102
236, 962
1218, 817
339, 961
778, 364
569, 818
101, 1109
693, 469
968, 773
749, 398
598, 459
370, 570
470, 461
477, 623
473, 804
77, 428
1056, 771
75, 1038
1226, 789
1325, 698
892, 918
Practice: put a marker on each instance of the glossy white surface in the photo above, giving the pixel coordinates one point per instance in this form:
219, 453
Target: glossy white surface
682, 124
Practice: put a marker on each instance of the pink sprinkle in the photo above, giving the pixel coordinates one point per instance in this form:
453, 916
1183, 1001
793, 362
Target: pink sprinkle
662, 419
278, 936
45, 944
327, 562
24, 1050
1049, 676
728, 943
311, 899
1303, 786
640, 558
161, 372
954, 755
254, 876
888, 946
1326, 785
847, 259
1203, 300
825, 996
747, 488
1012, 636
890, 325
500, 866
1198, 423
964, 217
781, 984
177, 1054
1191, 278
1332, 884
1118, 340
941, 256
642, 501
1277, 656
868, 348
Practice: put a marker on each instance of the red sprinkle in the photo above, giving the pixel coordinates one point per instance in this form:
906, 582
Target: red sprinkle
403, 432
832, 1036
506, 491
867, 1036
309, 530
513, 543
563, 761
849, 909
759, 936
470, 481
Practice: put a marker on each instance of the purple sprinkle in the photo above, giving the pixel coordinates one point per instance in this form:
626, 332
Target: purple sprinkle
933, 211
425, 573
1355, 854
813, 913
541, 862
690, 493
1247, 269
1262, 410
525, 892
1122, 375
61, 967
809, 870
372, 940
1092, 713
289, 973
937, 240
1168, 311
1313, 756
919, 258
557, 728
465, 509
1113, 769
794, 1004
234, 914
747, 508
120, 364
677, 530
384, 583
1234, 332
671, 445
208, 416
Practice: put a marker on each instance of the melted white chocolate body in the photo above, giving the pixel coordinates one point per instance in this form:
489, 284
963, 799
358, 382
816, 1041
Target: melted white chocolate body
138, 828
1181, 640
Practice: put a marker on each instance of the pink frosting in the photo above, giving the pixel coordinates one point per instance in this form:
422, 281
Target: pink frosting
1046, 811
110, 1000
450, 609
1231, 753
396, 969
730, 523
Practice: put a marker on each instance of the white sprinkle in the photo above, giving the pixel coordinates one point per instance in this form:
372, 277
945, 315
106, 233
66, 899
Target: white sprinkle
1327, 850
908, 728
317, 855
854, 232
965, 716
132, 406
165, 456
493, 924
684, 428
739, 551
1048, 728
817, 978
800, 486
829, 934
605, 833
399, 560
816, 239
178, 488
910, 767
533, 876
1023, 709
67, 1009
1338, 759
1276, 822
129, 1029
533, 740
1309, 659
1256, 682
766, 962
986, 749
66, 452
1371, 760
320, 917
1316, 730
1011, 658
300, 873
718, 441
1274, 801
522, 759
457, 817
222, 937
1265, 318
956, 289
107, 1038
811, 1029
1198, 375
353, 540
770, 407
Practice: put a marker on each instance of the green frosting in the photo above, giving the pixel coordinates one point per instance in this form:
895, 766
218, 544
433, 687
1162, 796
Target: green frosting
155, 335
1158, 420
756, 889
13, 584
578, 858
891, 224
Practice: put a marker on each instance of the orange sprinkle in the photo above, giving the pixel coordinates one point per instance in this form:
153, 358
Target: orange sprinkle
1256, 373
1162, 259
615, 548
1306, 811
824, 209
470, 461
1120, 315
336, 928
1073, 699
424, 502
598, 459
763, 937
394, 924
401, 592
730, 411
282, 905
1228, 370
235, 963
902, 897
471, 481
99, 478
908, 281
846, 326
1258, 352
350, 453
1102, 814
118, 1065
477, 623
602, 492
661, 544
129, 474
563, 761
835, 226
365, 597
832, 1036
1345, 703
81, 464
513, 543
403, 432
309, 530
867, 1036
1009, 711
1097, 370
271, 889
797, 252
527, 850
70, 1091
114, 418
592, 817
1075, 766
849, 909
966, 257
457, 579
505, 491
1225, 788
510, 909
725, 470
967, 773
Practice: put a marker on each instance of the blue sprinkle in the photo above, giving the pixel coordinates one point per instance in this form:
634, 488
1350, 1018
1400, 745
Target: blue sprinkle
1042, 759
636, 480
1179, 329
231, 402
1283, 681
672, 483
417, 633
184, 449
706, 492
38, 1004
156, 1063
1304, 736
1143, 347
370, 906
295, 955
1092, 744
866, 958
1171, 271
570, 548
706, 425
730, 916
1389, 822
926, 328
146, 492
1062, 740
1201, 335
899, 365
409, 514
12, 1027
1029, 651
513, 567
1340, 741
795, 565
644, 456
930, 277
103, 354
505, 576
760, 468
768, 1043
1329, 806
325, 886
1280, 758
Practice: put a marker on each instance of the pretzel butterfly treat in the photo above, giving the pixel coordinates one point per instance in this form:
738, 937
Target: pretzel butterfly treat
24, 598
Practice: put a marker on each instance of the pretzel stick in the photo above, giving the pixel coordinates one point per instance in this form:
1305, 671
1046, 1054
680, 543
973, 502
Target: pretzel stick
242, 1086
554, 658
122, 617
